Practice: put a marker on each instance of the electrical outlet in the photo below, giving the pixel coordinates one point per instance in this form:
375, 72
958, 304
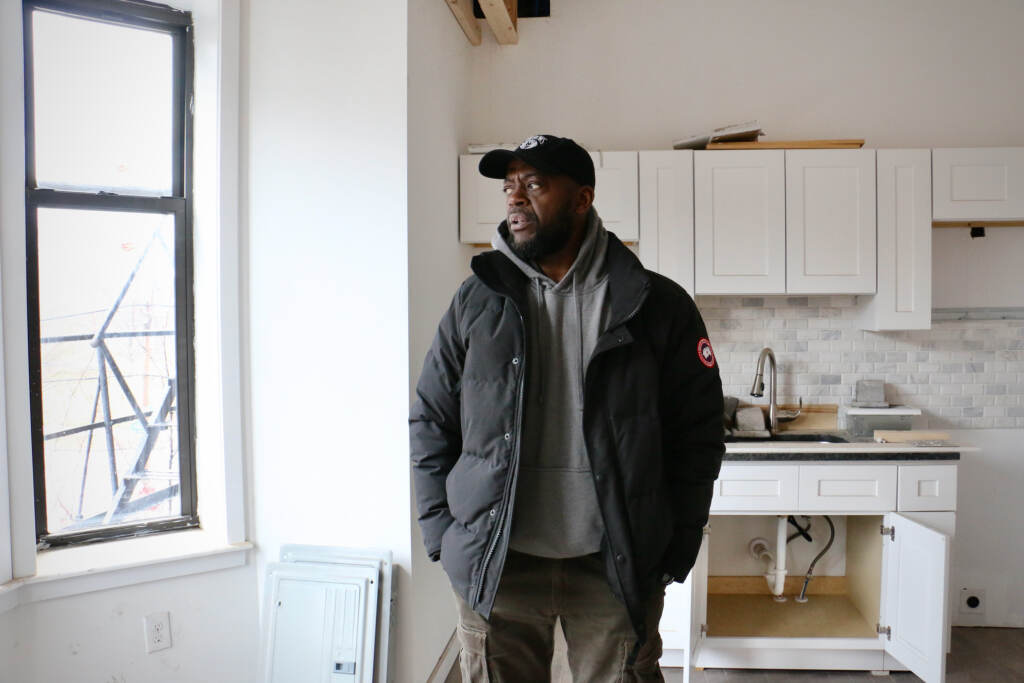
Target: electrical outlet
972, 600
158, 631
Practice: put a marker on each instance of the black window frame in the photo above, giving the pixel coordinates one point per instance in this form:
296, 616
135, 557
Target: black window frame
178, 24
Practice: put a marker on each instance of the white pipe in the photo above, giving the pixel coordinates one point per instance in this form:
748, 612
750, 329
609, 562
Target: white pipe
776, 577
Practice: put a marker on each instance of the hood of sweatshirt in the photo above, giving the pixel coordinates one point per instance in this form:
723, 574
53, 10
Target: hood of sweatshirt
586, 271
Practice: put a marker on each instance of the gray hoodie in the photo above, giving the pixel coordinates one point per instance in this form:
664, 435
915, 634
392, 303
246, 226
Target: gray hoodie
556, 511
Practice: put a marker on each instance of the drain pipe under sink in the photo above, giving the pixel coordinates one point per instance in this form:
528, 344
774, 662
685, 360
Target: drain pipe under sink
776, 573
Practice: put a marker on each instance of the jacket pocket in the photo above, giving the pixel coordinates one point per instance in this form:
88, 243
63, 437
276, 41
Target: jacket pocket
473, 658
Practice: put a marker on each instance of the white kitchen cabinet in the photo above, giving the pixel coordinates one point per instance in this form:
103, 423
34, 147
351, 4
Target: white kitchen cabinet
903, 300
616, 194
481, 202
830, 221
666, 214
887, 608
740, 222
975, 184
756, 487
926, 487
847, 488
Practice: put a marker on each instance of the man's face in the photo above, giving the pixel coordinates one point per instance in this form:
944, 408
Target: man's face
540, 210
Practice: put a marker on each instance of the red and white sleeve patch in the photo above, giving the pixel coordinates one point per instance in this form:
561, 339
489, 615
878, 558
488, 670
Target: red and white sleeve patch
704, 352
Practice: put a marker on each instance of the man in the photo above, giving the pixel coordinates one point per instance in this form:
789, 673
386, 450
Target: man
566, 435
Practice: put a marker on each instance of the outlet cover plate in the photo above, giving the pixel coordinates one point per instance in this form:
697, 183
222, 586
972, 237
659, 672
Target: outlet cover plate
158, 631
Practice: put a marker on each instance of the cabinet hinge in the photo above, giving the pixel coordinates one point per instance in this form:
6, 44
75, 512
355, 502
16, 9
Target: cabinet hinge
884, 630
703, 630
889, 531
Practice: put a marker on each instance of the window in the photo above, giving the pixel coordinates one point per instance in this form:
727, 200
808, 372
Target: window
108, 99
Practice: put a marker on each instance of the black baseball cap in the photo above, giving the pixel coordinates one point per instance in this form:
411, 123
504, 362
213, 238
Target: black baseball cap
548, 153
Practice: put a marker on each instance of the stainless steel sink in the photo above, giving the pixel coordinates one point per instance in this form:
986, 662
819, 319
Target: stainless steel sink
826, 437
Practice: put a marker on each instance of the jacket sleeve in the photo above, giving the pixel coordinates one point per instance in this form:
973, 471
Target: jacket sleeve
693, 437
435, 433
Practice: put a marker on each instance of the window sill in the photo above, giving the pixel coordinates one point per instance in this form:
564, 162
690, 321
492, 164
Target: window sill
83, 569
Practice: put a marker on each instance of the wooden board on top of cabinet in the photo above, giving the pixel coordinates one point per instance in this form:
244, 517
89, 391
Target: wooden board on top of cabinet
666, 214
739, 222
830, 221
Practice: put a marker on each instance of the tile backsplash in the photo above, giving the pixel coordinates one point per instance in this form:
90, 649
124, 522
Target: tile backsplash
964, 374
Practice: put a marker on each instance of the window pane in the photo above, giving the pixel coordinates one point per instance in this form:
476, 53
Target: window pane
103, 105
95, 267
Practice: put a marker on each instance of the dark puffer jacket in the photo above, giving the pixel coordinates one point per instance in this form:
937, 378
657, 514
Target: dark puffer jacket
652, 422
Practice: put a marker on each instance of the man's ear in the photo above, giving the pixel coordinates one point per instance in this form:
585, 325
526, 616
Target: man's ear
584, 199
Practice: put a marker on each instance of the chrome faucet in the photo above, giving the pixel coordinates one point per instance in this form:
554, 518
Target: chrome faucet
758, 388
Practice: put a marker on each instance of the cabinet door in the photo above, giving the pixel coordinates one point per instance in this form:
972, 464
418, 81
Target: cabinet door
481, 202
666, 214
739, 222
830, 221
903, 300
915, 568
615, 193
977, 184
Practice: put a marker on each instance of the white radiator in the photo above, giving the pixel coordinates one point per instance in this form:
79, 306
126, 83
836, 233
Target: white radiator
327, 616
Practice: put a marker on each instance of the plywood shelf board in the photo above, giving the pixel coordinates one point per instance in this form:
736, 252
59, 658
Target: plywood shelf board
822, 616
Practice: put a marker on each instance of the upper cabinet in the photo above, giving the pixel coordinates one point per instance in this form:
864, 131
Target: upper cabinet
482, 204
740, 222
666, 214
904, 297
615, 193
830, 221
978, 184
793, 222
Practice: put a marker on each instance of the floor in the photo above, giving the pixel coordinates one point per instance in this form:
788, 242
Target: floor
979, 655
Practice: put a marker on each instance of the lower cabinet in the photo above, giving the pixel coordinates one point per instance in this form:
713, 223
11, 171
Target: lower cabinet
878, 598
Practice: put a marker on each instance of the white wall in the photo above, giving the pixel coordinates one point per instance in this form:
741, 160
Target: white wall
987, 552
637, 75
439, 58
327, 279
99, 636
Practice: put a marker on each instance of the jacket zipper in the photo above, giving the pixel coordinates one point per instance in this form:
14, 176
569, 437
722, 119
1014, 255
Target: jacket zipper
513, 470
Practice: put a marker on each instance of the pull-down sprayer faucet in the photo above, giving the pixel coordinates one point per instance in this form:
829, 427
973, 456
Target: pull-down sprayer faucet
758, 388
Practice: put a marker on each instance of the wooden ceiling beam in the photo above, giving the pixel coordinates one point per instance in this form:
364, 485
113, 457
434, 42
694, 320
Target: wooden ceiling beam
463, 11
503, 18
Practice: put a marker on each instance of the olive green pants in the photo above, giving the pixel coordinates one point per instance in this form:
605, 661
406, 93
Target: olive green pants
516, 644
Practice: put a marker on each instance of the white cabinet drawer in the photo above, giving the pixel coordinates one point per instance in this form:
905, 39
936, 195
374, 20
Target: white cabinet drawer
756, 487
977, 184
848, 488
927, 487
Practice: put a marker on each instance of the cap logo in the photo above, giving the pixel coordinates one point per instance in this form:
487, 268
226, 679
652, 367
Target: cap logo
534, 141
704, 352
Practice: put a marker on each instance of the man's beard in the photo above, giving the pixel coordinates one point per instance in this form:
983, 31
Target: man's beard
547, 239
